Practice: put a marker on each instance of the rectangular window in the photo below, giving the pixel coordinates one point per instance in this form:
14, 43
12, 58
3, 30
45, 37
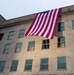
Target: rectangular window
18, 47
61, 42
44, 64
61, 62
31, 46
73, 24
45, 44
21, 33
28, 65
14, 65
1, 36
10, 36
61, 26
2, 65
6, 49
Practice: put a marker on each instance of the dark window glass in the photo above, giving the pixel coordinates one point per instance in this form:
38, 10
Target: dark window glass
61, 62
6, 49
45, 44
61, 42
44, 64
21, 33
10, 36
18, 47
73, 24
14, 65
1, 36
61, 26
31, 46
28, 65
2, 65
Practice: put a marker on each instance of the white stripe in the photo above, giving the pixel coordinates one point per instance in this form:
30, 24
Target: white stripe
45, 23
50, 35
37, 24
33, 25
49, 24
41, 24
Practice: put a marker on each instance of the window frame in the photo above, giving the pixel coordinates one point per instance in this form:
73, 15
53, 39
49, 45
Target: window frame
11, 70
44, 64
28, 65
31, 46
60, 27
21, 33
17, 47
61, 63
60, 43
6, 50
73, 24
10, 35
1, 36
45, 45
2, 66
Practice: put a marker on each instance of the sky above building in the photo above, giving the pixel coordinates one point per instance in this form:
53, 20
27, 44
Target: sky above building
16, 8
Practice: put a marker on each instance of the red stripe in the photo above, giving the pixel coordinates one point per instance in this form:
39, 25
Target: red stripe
31, 25
51, 24
47, 24
56, 22
42, 25
38, 25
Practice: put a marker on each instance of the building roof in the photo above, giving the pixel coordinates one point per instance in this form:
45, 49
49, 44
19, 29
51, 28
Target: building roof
18, 20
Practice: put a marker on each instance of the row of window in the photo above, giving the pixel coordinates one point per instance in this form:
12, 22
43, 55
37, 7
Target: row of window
31, 45
61, 27
11, 34
44, 64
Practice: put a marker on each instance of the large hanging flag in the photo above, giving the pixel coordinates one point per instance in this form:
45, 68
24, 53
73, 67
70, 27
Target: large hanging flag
44, 24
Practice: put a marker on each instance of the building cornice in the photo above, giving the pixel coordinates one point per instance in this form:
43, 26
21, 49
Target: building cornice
21, 20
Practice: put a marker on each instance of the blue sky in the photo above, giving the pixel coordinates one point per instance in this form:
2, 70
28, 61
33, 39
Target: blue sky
17, 8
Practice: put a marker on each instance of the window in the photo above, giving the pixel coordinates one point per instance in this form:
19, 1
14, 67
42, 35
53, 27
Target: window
14, 65
6, 49
2, 65
18, 47
31, 46
10, 36
21, 33
1, 36
61, 42
45, 44
61, 26
28, 65
73, 24
61, 62
44, 64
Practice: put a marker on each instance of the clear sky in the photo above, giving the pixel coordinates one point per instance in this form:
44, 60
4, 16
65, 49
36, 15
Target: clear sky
17, 8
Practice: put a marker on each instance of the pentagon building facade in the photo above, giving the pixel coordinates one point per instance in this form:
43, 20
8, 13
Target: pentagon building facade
34, 55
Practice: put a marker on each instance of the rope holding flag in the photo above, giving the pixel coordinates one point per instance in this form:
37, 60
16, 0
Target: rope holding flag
44, 24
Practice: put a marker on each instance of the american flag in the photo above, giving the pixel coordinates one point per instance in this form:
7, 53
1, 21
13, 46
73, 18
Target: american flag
44, 24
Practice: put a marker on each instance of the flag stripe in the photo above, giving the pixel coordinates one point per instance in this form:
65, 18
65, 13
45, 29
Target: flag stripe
59, 10
35, 23
29, 30
49, 24
38, 23
44, 24
41, 25
53, 24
